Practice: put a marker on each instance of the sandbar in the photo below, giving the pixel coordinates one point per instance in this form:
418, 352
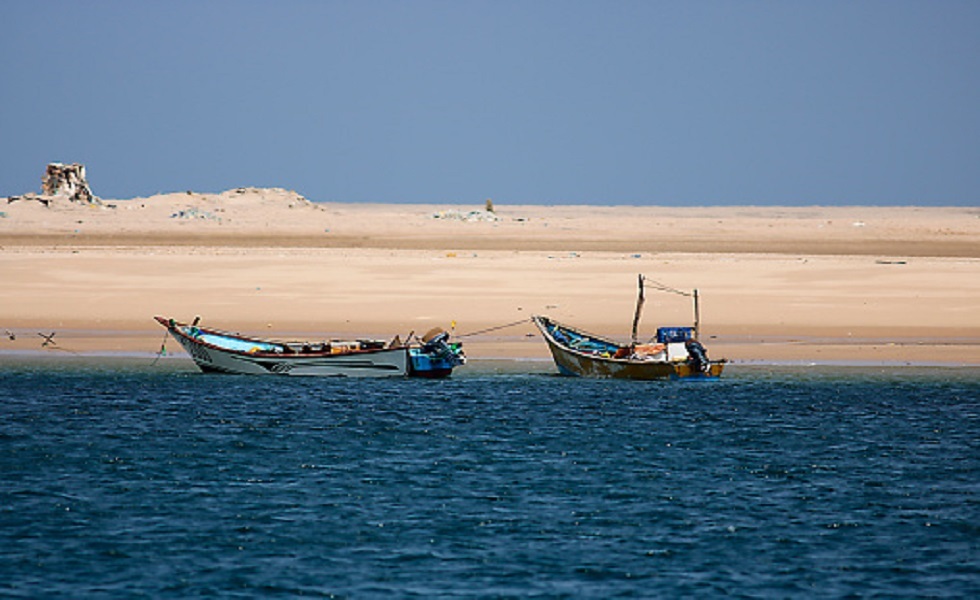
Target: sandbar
865, 285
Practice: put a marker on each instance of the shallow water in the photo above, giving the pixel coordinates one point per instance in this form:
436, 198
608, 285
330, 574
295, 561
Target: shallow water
120, 480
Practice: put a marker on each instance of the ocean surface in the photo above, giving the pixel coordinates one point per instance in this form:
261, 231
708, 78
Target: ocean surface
121, 480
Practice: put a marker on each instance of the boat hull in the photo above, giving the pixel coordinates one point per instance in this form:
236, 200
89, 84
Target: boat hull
388, 362
572, 362
427, 366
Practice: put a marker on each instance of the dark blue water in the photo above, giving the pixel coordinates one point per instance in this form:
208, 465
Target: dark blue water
123, 482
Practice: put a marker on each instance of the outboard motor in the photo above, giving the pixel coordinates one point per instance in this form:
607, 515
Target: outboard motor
697, 356
436, 344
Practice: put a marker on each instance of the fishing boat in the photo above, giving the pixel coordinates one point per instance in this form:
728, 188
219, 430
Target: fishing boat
674, 352
216, 351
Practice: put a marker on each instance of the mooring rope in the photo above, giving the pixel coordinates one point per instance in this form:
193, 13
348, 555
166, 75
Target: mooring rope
489, 329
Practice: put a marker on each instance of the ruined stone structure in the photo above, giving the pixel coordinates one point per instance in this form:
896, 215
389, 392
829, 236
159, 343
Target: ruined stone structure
67, 181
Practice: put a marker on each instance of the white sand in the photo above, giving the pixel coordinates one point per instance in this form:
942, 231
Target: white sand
777, 284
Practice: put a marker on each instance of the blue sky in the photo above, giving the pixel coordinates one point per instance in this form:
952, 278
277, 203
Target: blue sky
547, 102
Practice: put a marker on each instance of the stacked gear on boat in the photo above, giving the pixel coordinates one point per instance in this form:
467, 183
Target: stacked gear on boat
675, 339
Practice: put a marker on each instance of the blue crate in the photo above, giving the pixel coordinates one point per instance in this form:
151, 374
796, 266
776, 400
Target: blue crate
669, 335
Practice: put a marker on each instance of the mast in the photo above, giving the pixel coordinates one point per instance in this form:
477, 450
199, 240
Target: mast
697, 316
639, 307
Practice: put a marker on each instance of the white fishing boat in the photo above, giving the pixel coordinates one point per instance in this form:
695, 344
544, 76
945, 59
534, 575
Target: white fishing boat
217, 351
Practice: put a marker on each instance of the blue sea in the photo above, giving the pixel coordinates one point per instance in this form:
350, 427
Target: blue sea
119, 479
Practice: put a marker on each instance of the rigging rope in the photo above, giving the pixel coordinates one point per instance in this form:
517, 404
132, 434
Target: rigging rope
664, 288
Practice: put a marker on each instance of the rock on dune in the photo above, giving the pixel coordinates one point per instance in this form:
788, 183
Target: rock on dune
61, 184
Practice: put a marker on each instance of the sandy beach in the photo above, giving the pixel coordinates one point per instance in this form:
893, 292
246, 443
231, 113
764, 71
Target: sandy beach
854, 285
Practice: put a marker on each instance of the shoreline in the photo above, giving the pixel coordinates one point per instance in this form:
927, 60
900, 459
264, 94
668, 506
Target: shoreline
772, 351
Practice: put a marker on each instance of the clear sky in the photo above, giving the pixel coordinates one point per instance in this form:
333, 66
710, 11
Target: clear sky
546, 102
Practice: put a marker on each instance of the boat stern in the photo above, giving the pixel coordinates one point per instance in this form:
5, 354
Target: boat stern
436, 358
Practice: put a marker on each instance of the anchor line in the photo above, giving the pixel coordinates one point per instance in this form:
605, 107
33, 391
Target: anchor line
162, 351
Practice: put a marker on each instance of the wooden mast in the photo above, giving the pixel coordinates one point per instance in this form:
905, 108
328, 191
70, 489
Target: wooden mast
697, 316
639, 307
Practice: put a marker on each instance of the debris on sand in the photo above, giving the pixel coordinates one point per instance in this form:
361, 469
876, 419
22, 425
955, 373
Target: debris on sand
195, 213
473, 216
